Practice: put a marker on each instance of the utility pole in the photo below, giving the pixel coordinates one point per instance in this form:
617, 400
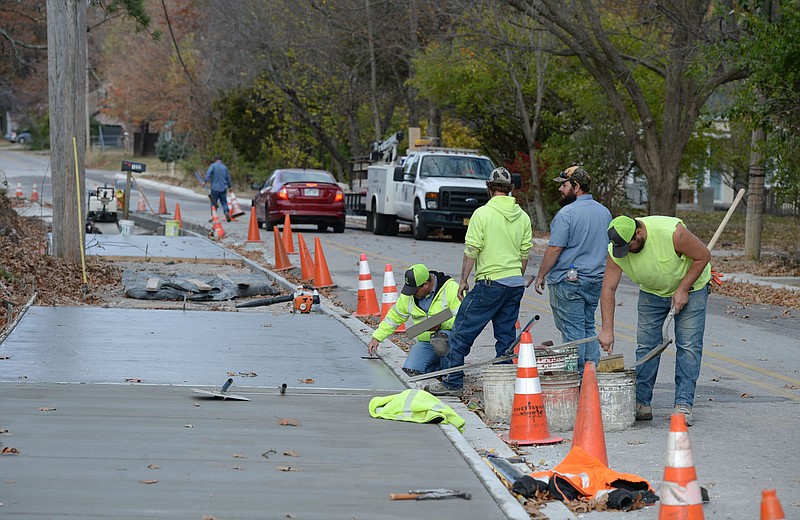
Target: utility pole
66, 63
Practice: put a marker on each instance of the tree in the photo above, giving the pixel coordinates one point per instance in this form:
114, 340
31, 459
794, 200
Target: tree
629, 47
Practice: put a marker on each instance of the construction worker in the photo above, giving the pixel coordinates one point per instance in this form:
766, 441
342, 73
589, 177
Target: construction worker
218, 179
424, 294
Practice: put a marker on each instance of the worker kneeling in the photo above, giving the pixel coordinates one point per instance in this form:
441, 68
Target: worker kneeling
425, 294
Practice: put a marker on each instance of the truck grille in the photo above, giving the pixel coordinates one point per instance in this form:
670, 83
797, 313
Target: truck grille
462, 199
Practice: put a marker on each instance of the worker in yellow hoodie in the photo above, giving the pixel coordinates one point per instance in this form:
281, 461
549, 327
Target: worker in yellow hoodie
497, 245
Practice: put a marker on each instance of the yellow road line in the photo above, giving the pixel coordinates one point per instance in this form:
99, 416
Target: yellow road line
762, 371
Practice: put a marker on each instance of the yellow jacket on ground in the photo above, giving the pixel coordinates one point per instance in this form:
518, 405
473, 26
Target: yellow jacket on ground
414, 406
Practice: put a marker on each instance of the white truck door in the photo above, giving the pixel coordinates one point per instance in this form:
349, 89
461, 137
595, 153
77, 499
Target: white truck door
405, 199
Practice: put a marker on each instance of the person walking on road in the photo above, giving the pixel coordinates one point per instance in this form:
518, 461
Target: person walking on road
424, 294
218, 178
671, 267
497, 245
574, 262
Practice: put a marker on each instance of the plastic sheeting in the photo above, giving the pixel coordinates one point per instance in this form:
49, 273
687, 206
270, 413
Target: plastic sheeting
180, 287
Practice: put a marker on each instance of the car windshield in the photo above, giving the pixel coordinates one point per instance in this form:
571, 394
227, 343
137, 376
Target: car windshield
306, 176
455, 166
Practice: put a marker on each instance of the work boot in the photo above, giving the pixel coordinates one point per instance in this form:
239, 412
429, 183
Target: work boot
644, 412
439, 389
411, 372
227, 217
686, 410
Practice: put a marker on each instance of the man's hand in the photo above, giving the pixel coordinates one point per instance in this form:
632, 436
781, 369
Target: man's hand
372, 347
538, 284
463, 289
679, 299
606, 340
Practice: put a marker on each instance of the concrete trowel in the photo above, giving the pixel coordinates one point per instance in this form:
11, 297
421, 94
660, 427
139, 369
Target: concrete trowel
222, 393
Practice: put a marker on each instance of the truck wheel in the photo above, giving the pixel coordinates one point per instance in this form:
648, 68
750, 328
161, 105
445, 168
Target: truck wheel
458, 234
418, 227
379, 223
393, 227
370, 226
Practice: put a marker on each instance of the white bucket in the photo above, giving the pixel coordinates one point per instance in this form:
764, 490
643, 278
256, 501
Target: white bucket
560, 397
498, 391
172, 228
617, 399
126, 227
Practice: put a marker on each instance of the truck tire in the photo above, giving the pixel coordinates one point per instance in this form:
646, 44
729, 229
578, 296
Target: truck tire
370, 226
379, 223
393, 227
418, 227
458, 234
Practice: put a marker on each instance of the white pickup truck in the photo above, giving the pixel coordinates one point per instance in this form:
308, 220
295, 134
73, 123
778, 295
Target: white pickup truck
430, 188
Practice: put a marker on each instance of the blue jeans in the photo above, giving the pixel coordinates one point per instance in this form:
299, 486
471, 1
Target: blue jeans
222, 198
423, 358
690, 325
487, 301
574, 304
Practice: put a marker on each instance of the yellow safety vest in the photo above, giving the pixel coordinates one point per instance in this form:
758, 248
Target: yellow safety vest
414, 406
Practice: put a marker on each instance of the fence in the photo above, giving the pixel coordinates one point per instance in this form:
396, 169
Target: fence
773, 207
356, 203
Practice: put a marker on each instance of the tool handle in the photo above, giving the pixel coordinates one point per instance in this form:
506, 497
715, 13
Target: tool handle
403, 496
266, 301
526, 328
227, 385
725, 220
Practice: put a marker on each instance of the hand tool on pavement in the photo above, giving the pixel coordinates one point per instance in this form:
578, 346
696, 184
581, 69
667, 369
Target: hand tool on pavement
430, 494
665, 339
304, 302
222, 393
429, 323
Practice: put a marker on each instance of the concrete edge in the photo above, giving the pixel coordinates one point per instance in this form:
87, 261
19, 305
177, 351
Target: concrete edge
759, 280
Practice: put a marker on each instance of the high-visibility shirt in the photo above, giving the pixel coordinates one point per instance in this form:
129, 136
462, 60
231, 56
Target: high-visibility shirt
446, 297
414, 406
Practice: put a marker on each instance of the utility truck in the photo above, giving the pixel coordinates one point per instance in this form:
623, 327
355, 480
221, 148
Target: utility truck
429, 188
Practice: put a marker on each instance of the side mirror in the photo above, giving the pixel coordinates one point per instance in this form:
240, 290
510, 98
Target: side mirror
516, 180
256, 185
398, 174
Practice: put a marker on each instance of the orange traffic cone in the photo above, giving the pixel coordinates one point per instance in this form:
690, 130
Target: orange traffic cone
162, 205
367, 298
306, 262
589, 433
236, 209
177, 215
140, 206
19, 190
219, 233
680, 493
281, 258
528, 416
288, 242
34, 194
253, 235
389, 297
322, 277
770, 506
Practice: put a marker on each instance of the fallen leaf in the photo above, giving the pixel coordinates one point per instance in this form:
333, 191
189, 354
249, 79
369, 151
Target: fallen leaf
47, 409
307, 381
231, 374
267, 453
286, 468
206, 517
291, 453
248, 374
5, 357
746, 396
288, 422
790, 387
197, 405
266, 324
238, 468
148, 482
237, 456
744, 316
153, 466
3, 430
8, 450
132, 380
188, 425
715, 379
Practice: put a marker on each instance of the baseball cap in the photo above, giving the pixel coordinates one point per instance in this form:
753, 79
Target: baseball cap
620, 233
574, 173
500, 175
415, 276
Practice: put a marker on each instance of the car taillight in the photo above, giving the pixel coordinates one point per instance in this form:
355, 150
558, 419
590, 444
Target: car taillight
283, 194
339, 197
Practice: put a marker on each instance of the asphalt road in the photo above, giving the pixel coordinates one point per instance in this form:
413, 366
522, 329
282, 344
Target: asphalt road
747, 407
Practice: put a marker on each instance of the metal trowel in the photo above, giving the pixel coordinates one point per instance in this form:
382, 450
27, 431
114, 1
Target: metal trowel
222, 393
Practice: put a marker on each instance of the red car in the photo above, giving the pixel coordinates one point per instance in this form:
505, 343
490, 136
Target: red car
307, 196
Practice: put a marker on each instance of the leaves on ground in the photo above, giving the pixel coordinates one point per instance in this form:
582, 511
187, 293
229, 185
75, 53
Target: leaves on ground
288, 422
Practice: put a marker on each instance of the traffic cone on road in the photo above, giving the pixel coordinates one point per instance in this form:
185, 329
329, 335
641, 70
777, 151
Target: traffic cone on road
306, 262
253, 235
389, 297
233, 205
281, 258
680, 493
19, 190
177, 215
34, 194
219, 233
770, 506
589, 433
367, 298
162, 205
140, 206
528, 416
322, 277
288, 242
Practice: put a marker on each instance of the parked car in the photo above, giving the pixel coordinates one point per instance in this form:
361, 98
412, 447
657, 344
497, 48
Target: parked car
307, 196
19, 137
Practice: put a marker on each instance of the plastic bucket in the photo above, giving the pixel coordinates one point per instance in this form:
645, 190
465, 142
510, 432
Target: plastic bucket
172, 228
617, 399
498, 391
126, 227
570, 357
560, 392
549, 361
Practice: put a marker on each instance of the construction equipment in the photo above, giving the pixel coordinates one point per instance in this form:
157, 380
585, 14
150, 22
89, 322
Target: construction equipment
429, 323
304, 302
102, 205
222, 393
431, 494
